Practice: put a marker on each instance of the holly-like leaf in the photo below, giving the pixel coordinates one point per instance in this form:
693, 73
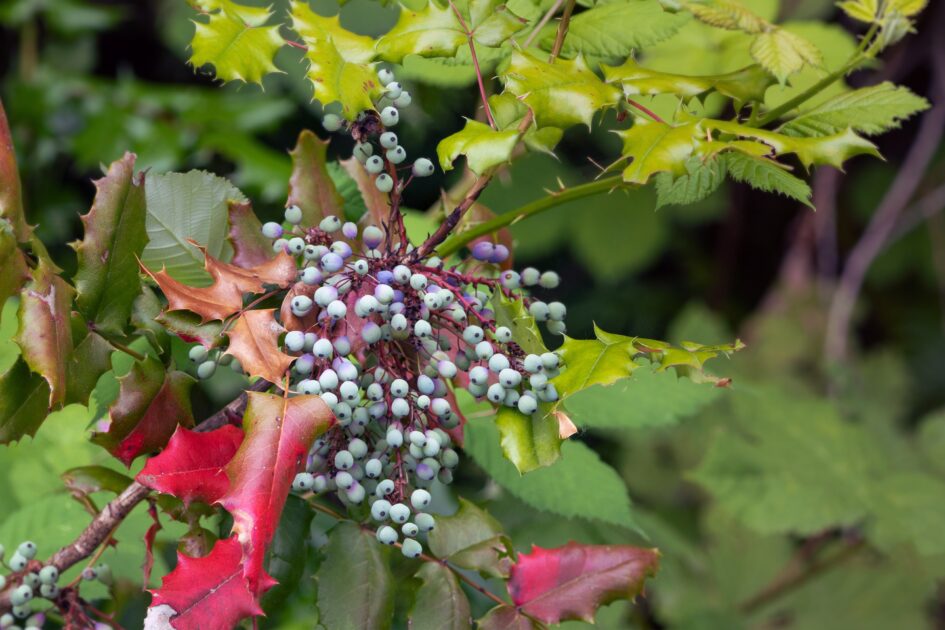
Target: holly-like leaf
573, 581
45, 333
688, 358
107, 278
655, 147
440, 603
310, 186
90, 358
513, 314
12, 261
340, 68
185, 208
11, 201
151, 404
508, 112
24, 402
289, 551
599, 361
279, 433
254, 341
505, 617
376, 202
85, 480
192, 467
208, 593
701, 179
529, 441
225, 296
746, 85
472, 539
561, 94
355, 585
250, 246
235, 40
483, 146
783, 53
870, 110
616, 29
767, 175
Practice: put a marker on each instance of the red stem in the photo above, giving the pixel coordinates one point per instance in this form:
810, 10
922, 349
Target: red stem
646, 111
475, 60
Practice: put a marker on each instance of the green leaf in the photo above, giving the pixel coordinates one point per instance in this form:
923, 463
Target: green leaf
747, 84
599, 361
529, 441
340, 67
767, 175
45, 333
561, 94
907, 8
187, 206
790, 465
236, 42
701, 179
512, 314
288, 552
655, 147
908, 511
24, 402
688, 358
441, 603
783, 53
85, 480
616, 29
579, 485
355, 585
472, 539
107, 278
311, 188
90, 358
727, 14
508, 112
13, 263
647, 399
862, 10
870, 110
483, 147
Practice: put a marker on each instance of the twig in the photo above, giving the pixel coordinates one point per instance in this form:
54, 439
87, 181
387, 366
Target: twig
475, 60
884, 220
121, 347
111, 516
542, 22
645, 110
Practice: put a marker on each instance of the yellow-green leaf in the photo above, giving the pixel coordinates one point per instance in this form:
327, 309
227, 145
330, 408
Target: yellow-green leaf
483, 146
655, 147
727, 14
907, 8
235, 41
340, 68
561, 94
862, 10
782, 53
599, 361
747, 84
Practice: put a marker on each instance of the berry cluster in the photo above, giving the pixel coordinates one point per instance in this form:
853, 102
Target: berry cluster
384, 336
36, 581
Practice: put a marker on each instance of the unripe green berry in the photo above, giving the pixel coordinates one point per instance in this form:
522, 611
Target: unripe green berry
49, 574
423, 168
27, 549
198, 354
332, 122
18, 562
293, 214
374, 164
206, 369
384, 183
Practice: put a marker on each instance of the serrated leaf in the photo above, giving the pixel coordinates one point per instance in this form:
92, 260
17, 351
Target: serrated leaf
11, 201
208, 593
355, 585
504, 618
783, 53
45, 333
289, 551
440, 603
107, 280
573, 581
13, 263
870, 110
508, 112
529, 441
655, 147
235, 41
727, 14
151, 404
24, 402
191, 468
701, 179
906, 506
311, 188
90, 358
340, 68
578, 485
184, 207
647, 399
907, 8
85, 480
250, 246
561, 94
513, 314
472, 539
862, 10
279, 432
616, 29
599, 361
688, 357
483, 146
747, 84
376, 202
254, 341
767, 175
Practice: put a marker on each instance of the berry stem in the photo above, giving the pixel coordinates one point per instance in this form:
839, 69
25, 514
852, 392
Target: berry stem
475, 60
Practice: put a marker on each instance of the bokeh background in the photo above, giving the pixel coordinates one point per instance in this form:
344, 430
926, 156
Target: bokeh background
84, 81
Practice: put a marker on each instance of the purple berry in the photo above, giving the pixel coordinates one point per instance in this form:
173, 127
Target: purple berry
500, 254
483, 250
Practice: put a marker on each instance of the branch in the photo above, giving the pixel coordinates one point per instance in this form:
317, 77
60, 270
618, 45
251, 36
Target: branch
111, 516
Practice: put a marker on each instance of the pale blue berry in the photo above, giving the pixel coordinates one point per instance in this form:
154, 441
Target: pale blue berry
344, 460
328, 379
399, 513
411, 548
309, 387
390, 116
295, 340
498, 362
49, 574
503, 334
301, 305
374, 164
403, 100
198, 354
388, 139
479, 375
509, 377
387, 535
532, 363
484, 350
384, 488
425, 522
362, 151
410, 529
549, 280
206, 369
423, 168
280, 245
539, 310
550, 360
473, 334
331, 122
325, 295
385, 76
527, 405
336, 309
303, 482
312, 276
557, 311
373, 235
293, 214
393, 89
272, 229
495, 393
530, 276
296, 245
373, 468
380, 510
396, 155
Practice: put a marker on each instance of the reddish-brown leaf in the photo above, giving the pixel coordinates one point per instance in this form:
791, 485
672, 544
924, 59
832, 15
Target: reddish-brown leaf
573, 581
289, 319
11, 201
310, 187
12, 262
191, 468
504, 618
250, 246
149, 537
208, 593
254, 341
279, 433
151, 403
281, 270
45, 335
376, 202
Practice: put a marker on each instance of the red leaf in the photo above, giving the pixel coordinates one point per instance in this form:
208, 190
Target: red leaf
151, 404
377, 202
279, 433
254, 340
191, 468
571, 582
250, 246
207, 593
